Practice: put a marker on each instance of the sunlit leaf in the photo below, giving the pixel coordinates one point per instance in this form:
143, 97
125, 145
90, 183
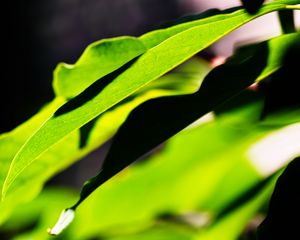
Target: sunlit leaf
99, 59
187, 178
185, 79
163, 117
10, 143
118, 85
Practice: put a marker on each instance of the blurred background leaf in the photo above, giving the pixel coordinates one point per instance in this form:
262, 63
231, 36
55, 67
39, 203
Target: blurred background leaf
181, 190
210, 181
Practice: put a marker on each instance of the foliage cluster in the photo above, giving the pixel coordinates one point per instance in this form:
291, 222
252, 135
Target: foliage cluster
225, 134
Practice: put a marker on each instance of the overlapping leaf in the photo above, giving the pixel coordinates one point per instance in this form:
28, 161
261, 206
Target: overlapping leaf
185, 79
163, 117
119, 84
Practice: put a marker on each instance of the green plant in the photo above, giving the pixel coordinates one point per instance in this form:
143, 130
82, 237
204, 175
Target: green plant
208, 180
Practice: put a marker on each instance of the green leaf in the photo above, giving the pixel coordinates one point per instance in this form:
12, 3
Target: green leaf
10, 143
141, 177
123, 82
105, 56
231, 225
277, 49
154, 38
159, 233
99, 59
181, 178
163, 117
184, 79
40, 208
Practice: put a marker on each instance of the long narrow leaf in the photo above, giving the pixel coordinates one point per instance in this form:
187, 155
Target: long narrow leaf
185, 79
163, 117
123, 82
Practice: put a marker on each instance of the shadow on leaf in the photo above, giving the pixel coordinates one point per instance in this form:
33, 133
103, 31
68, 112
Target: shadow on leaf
154, 121
92, 90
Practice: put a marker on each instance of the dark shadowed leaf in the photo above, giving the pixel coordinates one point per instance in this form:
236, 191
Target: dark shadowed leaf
252, 6
282, 87
284, 209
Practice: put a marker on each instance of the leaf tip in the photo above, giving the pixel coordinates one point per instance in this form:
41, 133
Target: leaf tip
64, 220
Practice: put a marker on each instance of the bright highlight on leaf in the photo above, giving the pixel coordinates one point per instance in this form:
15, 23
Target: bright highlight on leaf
276, 150
65, 218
